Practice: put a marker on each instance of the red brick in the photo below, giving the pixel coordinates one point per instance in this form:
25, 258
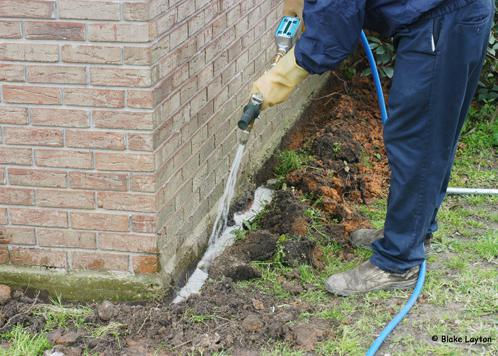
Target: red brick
123, 120
99, 221
143, 223
95, 139
59, 117
126, 201
27, 8
124, 162
66, 238
164, 23
4, 255
195, 23
44, 30
98, 181
127, 77
38, 217
141, 99
128, 242
31, 95
119, 32
99, 261
56, 198
10, 29
37, 177
63, 158
11, 72
89, 10
11, 115
138, 55
136, 11
18, 235
178, 35
91, 54
16, 196
12, 155
140, 142
57, 74
38, 257
159, 53
145, 264
3, 216
143, 183
94, 97
33, 136
29, 52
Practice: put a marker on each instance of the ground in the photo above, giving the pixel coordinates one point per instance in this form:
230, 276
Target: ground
266, 293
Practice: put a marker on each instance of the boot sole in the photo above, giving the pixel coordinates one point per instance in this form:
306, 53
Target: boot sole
343, 293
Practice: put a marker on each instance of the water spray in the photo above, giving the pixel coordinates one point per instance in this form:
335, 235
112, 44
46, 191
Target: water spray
221, 236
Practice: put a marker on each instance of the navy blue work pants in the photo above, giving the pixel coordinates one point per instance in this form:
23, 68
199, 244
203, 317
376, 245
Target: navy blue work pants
438, 62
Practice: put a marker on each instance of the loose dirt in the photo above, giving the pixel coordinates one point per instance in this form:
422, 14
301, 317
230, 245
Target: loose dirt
342, 134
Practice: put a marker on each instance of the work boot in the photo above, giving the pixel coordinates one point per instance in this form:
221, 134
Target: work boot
365, 237
368, 277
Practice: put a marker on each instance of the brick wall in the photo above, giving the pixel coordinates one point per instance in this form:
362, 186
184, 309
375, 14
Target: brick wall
118, 126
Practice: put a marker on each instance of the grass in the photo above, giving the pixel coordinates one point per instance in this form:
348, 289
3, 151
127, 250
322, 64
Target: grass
460, 296
23, 343
59, 316
476, 161
288, 161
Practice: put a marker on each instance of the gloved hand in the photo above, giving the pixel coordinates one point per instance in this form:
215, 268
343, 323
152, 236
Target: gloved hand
294, 8
277, 84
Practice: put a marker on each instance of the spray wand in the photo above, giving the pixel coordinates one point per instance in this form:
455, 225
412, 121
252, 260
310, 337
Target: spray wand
286, 35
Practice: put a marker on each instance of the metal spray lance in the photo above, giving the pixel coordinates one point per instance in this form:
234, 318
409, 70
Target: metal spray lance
286, 35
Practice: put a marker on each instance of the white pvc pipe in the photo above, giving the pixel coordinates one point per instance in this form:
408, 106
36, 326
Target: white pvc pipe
452, 190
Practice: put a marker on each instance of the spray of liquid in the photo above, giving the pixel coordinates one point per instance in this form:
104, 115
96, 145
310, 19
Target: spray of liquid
221, 236
221, 221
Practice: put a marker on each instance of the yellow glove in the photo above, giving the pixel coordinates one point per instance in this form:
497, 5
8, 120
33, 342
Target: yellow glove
277, 84
294, 8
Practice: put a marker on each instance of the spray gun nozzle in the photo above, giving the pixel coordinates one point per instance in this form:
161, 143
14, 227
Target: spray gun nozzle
251, 112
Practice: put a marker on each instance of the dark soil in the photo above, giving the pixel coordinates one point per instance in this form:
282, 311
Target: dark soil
342, 133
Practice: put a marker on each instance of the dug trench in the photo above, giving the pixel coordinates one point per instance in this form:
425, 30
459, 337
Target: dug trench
331, 162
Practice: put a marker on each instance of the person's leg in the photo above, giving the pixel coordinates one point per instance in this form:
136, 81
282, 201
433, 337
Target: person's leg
473, 82
433, 84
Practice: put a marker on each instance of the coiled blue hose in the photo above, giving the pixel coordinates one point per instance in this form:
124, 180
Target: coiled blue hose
421, 274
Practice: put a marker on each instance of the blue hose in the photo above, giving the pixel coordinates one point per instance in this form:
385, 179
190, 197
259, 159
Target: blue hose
376, 78
421, 275
406, 308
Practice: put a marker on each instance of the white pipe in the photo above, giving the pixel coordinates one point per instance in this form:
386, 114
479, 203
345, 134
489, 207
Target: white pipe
452, 190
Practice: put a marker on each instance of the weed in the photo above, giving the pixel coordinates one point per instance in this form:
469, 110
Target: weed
22, 343
112, 329
56, 315
288, 161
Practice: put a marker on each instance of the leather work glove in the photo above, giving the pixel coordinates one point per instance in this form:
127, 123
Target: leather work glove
277, 84
294, 8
